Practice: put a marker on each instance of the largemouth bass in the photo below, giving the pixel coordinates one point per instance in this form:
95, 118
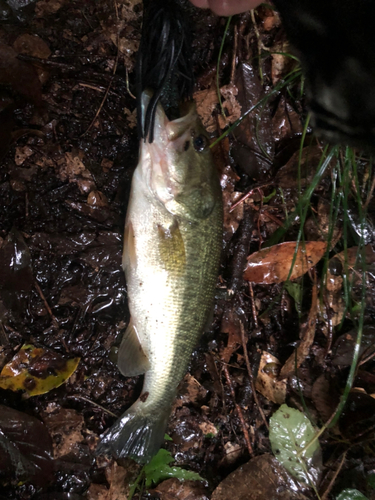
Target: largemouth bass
172, 245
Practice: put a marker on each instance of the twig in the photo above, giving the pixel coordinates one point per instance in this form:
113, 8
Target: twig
253, 309
78, 396
110, 81
331, 483
233, 69
127, 84
46, 305
239, 411
250, 373
247, 195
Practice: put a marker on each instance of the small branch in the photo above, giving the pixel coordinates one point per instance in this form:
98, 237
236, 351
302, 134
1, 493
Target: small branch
46, 305
332, 482
255, 395
239, 411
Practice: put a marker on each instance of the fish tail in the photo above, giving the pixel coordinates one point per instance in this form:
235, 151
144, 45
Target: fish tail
137, 434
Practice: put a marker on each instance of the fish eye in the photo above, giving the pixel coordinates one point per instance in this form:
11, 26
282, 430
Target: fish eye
200, 143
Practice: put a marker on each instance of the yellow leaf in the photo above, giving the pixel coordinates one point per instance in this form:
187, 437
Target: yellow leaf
36, 370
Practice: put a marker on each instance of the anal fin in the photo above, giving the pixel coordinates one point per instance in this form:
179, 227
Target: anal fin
131, 359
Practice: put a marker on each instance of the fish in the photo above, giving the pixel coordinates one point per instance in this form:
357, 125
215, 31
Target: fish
171, 258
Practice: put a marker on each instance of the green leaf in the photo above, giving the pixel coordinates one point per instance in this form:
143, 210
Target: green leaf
295, 291
290, 433
351, 494
371, 481
266, 199
158, 470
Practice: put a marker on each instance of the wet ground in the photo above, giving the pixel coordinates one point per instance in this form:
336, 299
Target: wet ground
68, 148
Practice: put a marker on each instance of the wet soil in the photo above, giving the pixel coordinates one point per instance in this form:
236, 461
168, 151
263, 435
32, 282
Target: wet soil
68, 147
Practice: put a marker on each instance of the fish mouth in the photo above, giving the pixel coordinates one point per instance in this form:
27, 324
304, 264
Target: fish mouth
165, 130
163, 153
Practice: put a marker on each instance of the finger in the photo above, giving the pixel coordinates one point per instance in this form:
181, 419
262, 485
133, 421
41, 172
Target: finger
227, 7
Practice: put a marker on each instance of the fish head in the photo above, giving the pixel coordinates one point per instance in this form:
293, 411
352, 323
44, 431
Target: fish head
178, 166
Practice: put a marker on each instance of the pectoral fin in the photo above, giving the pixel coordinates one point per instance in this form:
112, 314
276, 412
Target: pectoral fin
129, 253
132, 360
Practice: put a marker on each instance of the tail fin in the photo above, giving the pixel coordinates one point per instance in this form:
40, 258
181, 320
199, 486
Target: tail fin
164, 63
136, 434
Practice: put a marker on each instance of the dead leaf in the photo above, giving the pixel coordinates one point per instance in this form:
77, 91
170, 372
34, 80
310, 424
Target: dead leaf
325, 397
271, 19
286, 123
288, 178
319, 226
34, 46
207, 103
228, 180
22, 153
21, 76
65, 427
307, 335
71, 168
36, 370
272, 265
352, 257
173, 489
190, 391
281, 63
45, 8
255, 144
233, 451
342, 352
267, 382
230, 324
334, 280
97, 199
260, 478
25, 448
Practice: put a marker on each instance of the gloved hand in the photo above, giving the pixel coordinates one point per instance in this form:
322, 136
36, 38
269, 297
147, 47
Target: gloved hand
226, 7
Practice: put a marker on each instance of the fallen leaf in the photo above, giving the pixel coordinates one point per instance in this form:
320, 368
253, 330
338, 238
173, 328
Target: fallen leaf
173, 489
36, 370
325, 397
25, 448
65, 427
288, 177
290, 432
259, 479
34, 46
307, 334
334, 280
21, 76
272, 265
71, 168
281, 62
286, 123
45, 8
343, 349
267, 382
119, 479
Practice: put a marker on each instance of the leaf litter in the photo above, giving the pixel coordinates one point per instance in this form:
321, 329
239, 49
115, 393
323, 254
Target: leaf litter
67, 156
